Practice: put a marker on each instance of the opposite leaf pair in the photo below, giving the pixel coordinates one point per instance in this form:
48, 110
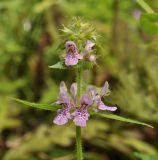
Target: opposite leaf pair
71, 109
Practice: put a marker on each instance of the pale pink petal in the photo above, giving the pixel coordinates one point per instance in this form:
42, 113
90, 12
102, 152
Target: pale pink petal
68, 44
62, 115
86, 100
78, 56
105, 89
80, 118
107, 108
60, 119
89, 46
91, 91
63, 87
73, 89
70, 60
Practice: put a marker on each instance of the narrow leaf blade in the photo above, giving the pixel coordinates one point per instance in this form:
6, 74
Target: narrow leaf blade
37, 105
59, 65
120, 118
145, 6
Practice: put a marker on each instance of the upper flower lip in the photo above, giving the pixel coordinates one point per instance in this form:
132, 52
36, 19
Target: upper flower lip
69, 44
63, 95
86, 99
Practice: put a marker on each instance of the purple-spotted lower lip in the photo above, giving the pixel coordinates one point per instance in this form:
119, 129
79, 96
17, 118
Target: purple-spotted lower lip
71, 46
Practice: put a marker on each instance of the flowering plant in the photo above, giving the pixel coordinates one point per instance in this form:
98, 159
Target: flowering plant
80, 41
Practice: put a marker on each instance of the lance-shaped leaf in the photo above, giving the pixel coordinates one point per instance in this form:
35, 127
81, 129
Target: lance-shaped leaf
37, 105
145, 6
120, 118
59, 65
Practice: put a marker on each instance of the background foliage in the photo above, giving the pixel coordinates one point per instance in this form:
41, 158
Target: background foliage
127, 58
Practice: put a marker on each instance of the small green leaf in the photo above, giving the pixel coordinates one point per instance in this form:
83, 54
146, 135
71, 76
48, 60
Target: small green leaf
66, 30
149, 23
120, 118
37, 105
59, 65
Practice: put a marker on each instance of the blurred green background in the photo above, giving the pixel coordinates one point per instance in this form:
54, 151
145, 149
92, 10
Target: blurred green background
128, 59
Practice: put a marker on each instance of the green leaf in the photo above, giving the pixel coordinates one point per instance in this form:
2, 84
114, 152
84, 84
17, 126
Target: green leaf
81, 64
66, 30
149, 23
120, 118
146, 157
59, 65
145, 6
37, 105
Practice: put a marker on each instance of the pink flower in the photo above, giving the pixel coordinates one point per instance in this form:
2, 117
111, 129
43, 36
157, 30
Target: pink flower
89, 46
73, 55
98, 97
70, 109
81, 114
63, 114
102, 106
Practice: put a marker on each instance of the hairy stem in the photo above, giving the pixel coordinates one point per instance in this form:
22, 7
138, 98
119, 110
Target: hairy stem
78, 85
78, 129
79, 143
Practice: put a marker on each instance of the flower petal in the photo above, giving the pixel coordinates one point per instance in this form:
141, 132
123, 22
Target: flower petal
78, 56
102, 106
71, 60
63, 95
62, 115
86, 100
107, 108
92, 58
63, 87
63, 98
80, 118
91, 91
70, 44
79, 121
89, 46
73, 89
105, 89
60, 119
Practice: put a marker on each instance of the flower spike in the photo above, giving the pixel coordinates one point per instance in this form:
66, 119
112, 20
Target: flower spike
70, 109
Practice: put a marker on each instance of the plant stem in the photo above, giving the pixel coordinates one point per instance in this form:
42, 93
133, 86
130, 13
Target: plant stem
79, 143
78, 129
78, 84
